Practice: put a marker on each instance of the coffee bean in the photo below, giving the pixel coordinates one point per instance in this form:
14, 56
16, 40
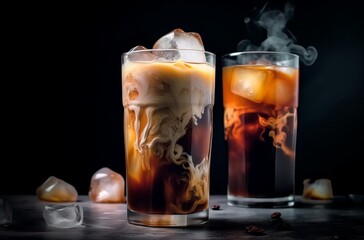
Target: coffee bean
247, 227
255, 230
276, 215
215, 207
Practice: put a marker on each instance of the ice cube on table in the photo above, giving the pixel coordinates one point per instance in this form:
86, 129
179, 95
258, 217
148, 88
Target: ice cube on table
179, 39
321, 189
107, 186
56, 190
251, 83
6, 212
63, 216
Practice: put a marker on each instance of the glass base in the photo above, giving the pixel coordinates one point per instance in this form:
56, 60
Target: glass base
165, 220
280, 202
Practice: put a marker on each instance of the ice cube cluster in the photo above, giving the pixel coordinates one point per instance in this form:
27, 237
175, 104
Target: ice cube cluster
61, 209
176, 39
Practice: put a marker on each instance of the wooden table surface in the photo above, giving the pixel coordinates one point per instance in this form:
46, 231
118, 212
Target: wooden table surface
340, 219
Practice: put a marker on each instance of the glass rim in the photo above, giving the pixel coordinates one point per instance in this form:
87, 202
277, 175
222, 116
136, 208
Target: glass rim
168, 50
234, 54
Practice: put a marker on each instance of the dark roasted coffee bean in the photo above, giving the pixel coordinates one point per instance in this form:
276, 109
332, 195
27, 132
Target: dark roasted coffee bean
247, 227
276, 215
255, 230
215, 207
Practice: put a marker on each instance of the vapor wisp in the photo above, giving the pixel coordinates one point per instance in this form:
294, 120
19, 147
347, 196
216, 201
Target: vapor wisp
274, 21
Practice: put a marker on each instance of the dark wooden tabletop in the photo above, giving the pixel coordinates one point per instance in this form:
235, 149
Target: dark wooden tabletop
340, 219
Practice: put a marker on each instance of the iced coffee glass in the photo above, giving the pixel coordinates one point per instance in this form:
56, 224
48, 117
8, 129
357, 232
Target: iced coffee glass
260, 97
168, 107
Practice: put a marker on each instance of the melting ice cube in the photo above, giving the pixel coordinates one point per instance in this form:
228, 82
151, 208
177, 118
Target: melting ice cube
286, 72
63, 216
140, 55
251, 83
179, 39
56, 190
320, 189
6, 212
107, 186
281, 92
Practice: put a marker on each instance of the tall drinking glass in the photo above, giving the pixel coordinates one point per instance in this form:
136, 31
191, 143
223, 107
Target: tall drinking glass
260, 97
168, 108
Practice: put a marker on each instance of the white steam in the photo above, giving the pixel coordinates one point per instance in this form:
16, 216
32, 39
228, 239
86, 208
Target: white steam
274, 22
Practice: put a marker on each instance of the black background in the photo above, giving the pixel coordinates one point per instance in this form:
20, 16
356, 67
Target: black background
66, 115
